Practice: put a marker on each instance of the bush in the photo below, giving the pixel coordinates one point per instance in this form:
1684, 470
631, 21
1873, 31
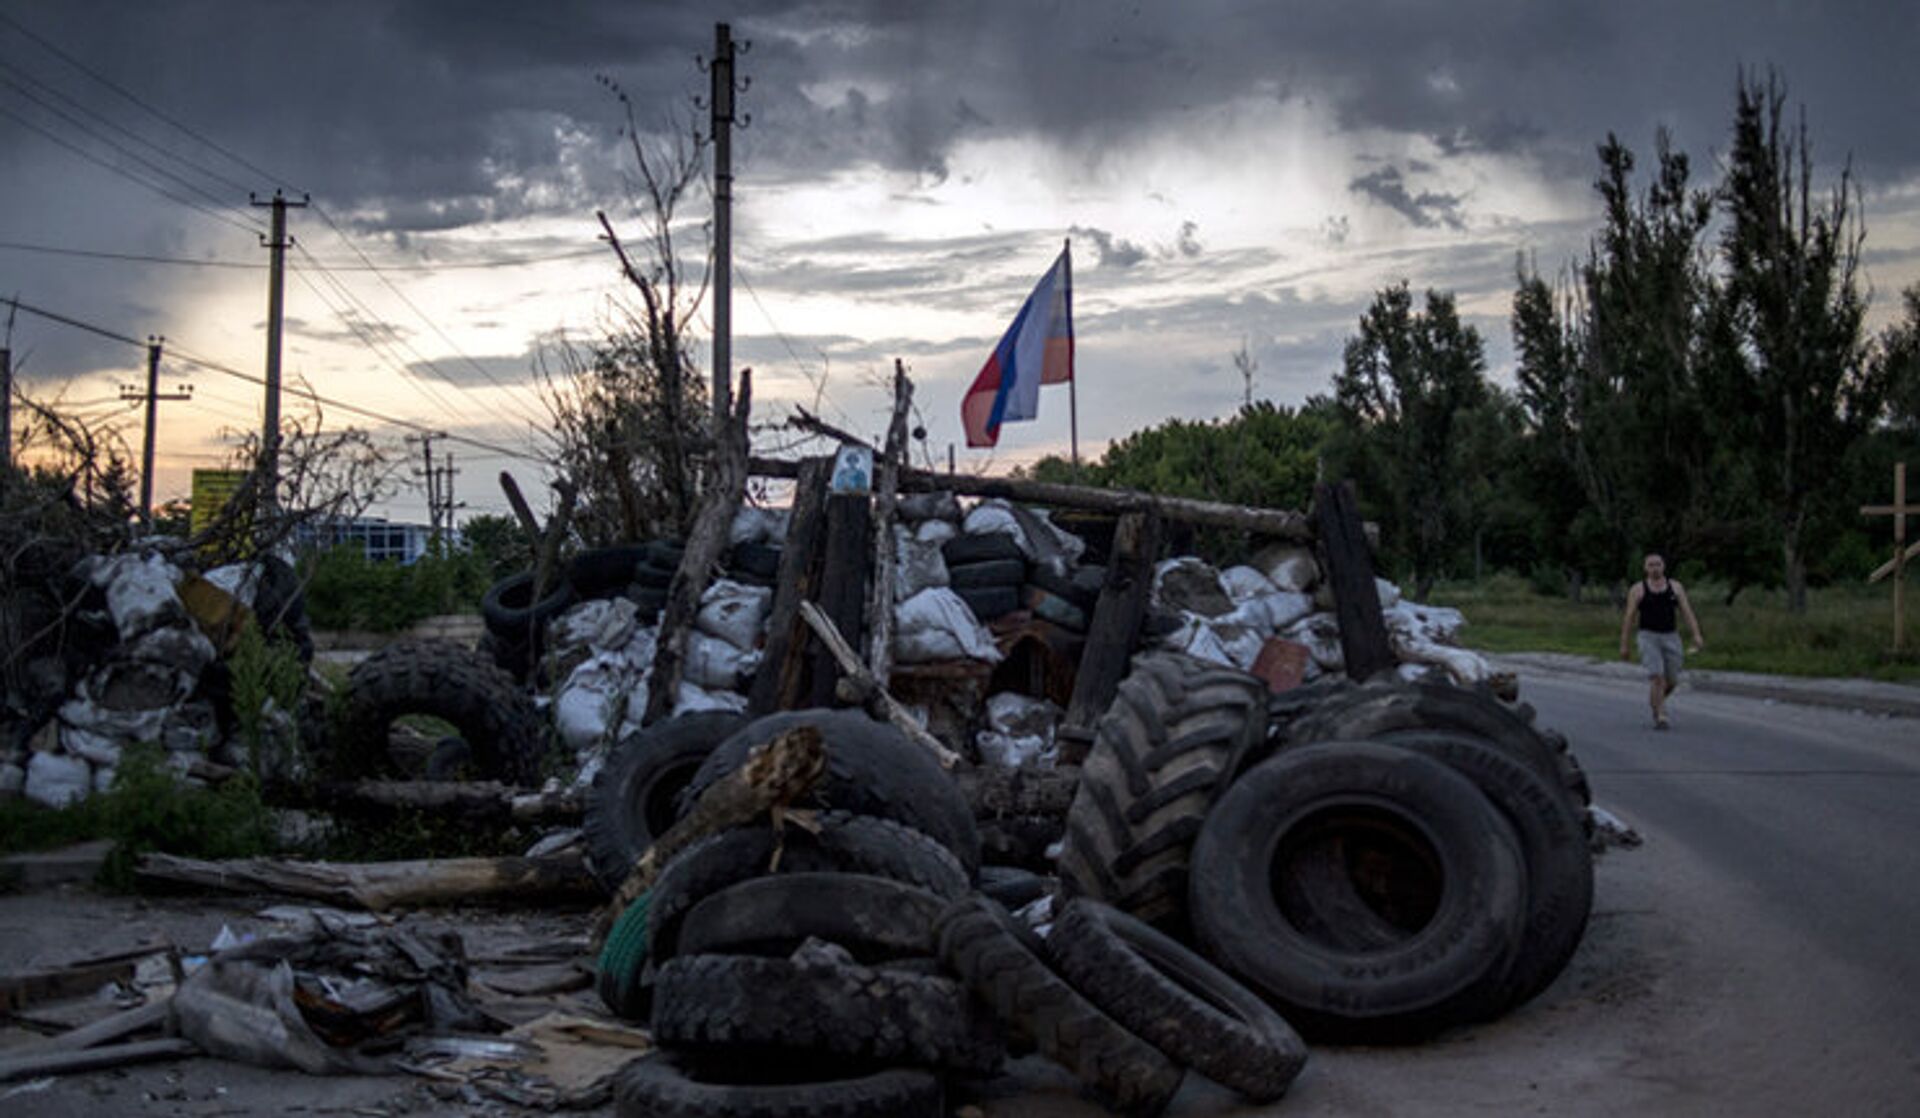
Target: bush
346, 590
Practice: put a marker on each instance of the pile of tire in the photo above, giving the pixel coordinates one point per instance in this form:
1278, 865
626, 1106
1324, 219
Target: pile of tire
1379, 862
498, 734
516, 624
795, 972
988, 572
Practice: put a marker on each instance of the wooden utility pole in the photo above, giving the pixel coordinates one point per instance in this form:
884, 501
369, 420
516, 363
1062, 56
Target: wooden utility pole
6, 408
276, 306
720, 100
1897, 566
152, 397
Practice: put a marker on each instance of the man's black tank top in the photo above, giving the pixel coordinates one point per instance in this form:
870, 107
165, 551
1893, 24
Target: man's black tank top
1657, 610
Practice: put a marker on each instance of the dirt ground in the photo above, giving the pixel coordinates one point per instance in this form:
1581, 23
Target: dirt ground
1649, 1019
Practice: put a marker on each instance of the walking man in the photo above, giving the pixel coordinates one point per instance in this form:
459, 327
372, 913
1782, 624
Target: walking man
1658, 601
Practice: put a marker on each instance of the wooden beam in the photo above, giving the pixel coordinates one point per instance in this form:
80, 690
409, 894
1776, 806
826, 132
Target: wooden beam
843, 585
1278, 523
869, 688
93, 1059
1348, 565
1113, 631
778, 681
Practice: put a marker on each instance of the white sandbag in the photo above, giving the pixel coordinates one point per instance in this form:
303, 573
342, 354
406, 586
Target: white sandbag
936, 531
936, 625
585, 622
1433, 623
715, 663
1389, 593
734, 612
56, 780
1243, 583
182, 648
918, 564
1320, 632
103, 778
637, 653
1196, 638
1271, 612
100, 749
140, 594
1464, 665
1242, 643
1189, 585
591, 701
241, 581
758, 525
993, 517
691, 699
1010, 712
1009, 752
85, 714
1288, 566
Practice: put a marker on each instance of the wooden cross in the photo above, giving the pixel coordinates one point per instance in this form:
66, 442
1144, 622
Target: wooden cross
1897, 566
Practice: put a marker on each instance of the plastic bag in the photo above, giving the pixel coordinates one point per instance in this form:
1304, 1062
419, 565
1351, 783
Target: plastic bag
918, 565
734, 612
1243, 582
936, 625
716, 664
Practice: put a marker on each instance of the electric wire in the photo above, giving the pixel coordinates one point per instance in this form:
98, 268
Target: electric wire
335, 266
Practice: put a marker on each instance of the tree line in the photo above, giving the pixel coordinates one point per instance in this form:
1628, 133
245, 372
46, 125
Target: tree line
1701, 382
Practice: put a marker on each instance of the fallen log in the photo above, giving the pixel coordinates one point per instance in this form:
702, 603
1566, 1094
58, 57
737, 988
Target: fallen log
1283, 524
995, 792
149, 1016
378, 886
94, 1059
479, 802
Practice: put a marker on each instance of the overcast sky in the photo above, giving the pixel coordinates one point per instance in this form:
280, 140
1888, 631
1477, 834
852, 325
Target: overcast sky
1229, 173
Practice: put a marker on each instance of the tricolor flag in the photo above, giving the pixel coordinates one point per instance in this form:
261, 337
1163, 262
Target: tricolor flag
1037, 350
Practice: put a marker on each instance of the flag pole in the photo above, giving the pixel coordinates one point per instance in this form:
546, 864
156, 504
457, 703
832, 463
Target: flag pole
1073, 381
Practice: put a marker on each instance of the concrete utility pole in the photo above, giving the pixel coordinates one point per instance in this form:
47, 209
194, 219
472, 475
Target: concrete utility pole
6, 407
721, 102
276, 305
152, 397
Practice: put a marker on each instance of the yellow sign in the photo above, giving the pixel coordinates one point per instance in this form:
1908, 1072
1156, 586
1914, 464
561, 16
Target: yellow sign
211, 491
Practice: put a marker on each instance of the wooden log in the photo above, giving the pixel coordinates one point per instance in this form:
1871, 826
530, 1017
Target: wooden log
1347, 564
775, 776
95, 1059
1283, 524
149, 1016
1112, 632
843, 586
777, 684
870, 689
886, 494
706, 543
480, 802
378, 886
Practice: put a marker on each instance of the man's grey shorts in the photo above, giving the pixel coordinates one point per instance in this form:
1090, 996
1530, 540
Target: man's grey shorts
1660, 654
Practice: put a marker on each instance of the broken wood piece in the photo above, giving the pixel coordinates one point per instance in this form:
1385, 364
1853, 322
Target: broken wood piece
886, 495
845, 575
992, 792
382, 885
776, 774
1112, 632
94, 1059
126, 1023
84, 977
480, 801
778, 682
850, 664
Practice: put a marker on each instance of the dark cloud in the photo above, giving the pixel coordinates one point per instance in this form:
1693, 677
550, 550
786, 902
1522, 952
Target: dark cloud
1111, 251
1427, 209
478, 372
1188, 244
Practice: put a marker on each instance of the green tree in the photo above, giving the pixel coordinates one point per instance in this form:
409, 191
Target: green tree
1792, 264
1405, 379
498, 542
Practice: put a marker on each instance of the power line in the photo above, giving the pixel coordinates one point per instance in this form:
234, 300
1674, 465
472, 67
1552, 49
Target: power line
186, 261
136, 100
182, 354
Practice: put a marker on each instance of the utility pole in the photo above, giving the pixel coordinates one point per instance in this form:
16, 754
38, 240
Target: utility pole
6, 408
439, 481
721, 102
276, 306
152, 396
447, 503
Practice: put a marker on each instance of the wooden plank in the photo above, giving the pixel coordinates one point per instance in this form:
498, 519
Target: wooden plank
148, 1016
94, 1059
383, 885
1283, 524
777, 683
55, 983
1347, 563
886, 494
1112, 632
843, 587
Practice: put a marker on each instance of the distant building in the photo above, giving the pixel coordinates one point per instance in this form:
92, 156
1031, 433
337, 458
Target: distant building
380, 539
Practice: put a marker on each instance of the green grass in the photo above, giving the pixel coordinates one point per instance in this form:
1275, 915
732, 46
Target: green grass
1845, 632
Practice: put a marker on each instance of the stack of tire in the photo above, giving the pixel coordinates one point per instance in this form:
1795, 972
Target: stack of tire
499, 734
988, 572
1380, 862
516, 624
1066, 600
795, 972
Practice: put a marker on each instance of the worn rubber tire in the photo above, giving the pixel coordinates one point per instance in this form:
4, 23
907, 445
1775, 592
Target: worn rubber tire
1013, 887
1553, 840
1177, 1001
648, 600
1177, 731
845, 843
1048, 606
664, 1084
510, 613
1446, 973
980, 941
872, 769
814, 1009
633, 799
1374, 708
621, 977
754, 560
875, 918
990, 603
506, 654
497, 719
603, 572
987, 573
963, 549
1080, 587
